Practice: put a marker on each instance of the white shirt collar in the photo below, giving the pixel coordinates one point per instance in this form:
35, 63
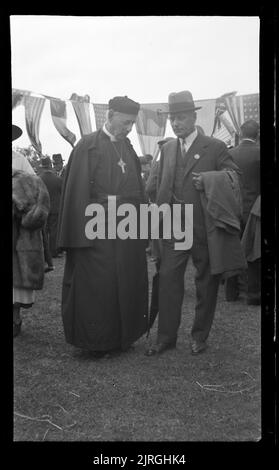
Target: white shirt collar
187, 141
112, 138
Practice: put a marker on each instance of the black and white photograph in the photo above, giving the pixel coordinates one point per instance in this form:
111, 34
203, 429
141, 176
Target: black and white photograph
137, 234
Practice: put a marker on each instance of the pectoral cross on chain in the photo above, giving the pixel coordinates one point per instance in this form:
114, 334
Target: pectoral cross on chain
122, 165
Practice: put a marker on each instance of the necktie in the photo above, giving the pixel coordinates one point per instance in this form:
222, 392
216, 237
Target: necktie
183, 150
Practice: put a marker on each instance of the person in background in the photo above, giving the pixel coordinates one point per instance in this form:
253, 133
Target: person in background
30, 203
145, 162
54, 186
182, 163
229, 144
247, 156
200, 129
57, 162
105, 283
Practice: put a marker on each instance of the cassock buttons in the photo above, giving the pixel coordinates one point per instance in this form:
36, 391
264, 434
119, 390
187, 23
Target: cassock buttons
196, 157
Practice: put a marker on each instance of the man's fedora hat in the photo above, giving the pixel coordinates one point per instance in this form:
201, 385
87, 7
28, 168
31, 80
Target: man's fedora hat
16, 132
57, 158
181, 102
123, 104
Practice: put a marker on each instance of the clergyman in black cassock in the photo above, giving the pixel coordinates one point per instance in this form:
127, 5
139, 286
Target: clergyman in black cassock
105, 284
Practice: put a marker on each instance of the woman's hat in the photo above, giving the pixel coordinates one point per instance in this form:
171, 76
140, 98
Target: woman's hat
16, 132
181, 102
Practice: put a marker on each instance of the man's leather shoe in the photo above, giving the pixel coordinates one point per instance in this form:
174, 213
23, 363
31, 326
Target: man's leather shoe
159, 348
17, 328
198, 347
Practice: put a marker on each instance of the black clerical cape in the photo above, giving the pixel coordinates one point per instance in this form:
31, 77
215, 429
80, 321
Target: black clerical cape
105, 284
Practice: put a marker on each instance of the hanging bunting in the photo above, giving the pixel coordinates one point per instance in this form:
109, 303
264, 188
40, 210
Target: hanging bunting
151, 127
33, 111
249, 106
18, 97
206, 115
81, 107
58, 112
229, 100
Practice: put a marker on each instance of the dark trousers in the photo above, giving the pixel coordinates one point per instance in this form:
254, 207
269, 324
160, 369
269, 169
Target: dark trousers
171, 291
234, 285
51, 228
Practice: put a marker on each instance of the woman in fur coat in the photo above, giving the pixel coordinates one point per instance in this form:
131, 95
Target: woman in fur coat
30, 210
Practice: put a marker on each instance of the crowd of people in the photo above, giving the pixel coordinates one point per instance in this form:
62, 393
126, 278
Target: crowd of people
104, 292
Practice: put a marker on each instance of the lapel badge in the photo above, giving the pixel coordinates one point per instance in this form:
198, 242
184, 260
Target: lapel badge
196, 157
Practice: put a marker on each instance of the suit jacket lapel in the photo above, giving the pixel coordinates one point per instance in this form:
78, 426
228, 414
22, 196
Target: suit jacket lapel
167, 172
194, 154
170, 159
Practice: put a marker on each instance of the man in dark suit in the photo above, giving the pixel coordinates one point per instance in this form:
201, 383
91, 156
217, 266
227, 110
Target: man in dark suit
247, 156
58, 166
54, 186
179, 181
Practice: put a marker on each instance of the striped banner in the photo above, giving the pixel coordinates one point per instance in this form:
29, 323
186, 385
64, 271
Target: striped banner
151, 127
224, 120
58, 112
100, 114
81, 107
33, 111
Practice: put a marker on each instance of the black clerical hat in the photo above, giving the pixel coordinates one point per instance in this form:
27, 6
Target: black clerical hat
123, 104
46, 162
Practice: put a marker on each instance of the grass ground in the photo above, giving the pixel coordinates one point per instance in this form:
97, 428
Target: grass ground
61, 396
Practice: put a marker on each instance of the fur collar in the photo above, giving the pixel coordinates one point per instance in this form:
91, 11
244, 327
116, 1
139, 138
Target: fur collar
31, 199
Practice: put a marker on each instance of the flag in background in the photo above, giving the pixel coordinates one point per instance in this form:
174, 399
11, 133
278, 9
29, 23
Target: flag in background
225, 118
100, 114
33, 111
81, 107
59, 117
17, 98
240, 108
